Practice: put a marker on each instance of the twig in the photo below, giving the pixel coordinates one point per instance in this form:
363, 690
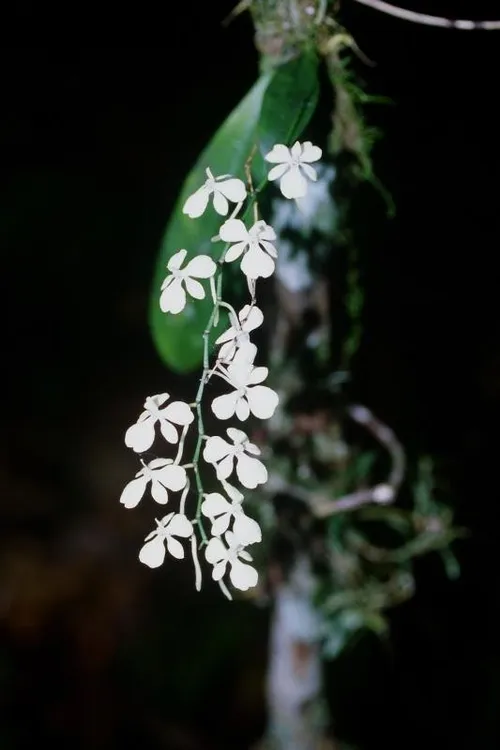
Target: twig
380, 493
427, 20
321, 505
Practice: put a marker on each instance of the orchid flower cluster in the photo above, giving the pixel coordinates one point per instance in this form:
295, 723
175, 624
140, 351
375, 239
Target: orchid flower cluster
231, 530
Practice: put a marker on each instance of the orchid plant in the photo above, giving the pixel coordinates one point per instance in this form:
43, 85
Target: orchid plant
231, 530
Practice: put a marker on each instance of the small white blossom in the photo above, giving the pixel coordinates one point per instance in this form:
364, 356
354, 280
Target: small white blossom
248, 396
152, 553
255, 244
141, 435
242, 576
250, 318
220, 512
250, 471
224, 188
291, 166
173, 295
163, 474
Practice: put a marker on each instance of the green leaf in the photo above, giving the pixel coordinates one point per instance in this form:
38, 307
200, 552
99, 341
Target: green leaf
288, 105
178, 338
276, 110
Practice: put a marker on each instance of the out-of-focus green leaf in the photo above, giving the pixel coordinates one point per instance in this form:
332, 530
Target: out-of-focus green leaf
276, 110
288, 105
178, 338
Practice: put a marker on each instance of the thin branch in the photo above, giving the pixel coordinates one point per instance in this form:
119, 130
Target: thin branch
423, 18
380, 493
321, 505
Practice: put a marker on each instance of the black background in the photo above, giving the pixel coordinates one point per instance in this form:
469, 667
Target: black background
95, 141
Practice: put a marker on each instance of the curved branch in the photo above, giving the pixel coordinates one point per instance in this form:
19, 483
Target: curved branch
321, 505
424, 18
381, 493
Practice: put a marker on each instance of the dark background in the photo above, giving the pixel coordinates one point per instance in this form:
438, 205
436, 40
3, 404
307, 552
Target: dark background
95, 141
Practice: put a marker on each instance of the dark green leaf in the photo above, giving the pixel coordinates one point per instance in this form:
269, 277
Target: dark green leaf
288, 105
178, 338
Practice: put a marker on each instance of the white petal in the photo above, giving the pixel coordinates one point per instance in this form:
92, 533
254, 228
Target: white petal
196, 203
194, 288
257, 264
159, 463
178, 412
159, 493
309, 172
270, 249
173, 298
234, 189
237, 436
243, 361
180, 525
214, 505
227, 336
234, 252
258, 375
266, 232
233, 230
231, 540
310, 152
296, 150
243, 576
246, 530
140, 436
293, 184
252, 448
235, 495
225, 467
167, 282
250, 471
220, 525
262, 400
169, 432
152, 553
201, 267
176, 260
133, 492
215, 551
219, 569
224, 406
220, 204
278, 171
242, 409
279, 153
158, 400
174, 477
227, 350
251, 318
175, 548
215, 449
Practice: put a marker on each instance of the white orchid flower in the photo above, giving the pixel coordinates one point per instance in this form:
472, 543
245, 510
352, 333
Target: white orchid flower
141, 435
152, 553
163, 474
220, 511
242, 576
249, 318
255, 244
173, 295
248, 395
250, 471
291, 166
224, 188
